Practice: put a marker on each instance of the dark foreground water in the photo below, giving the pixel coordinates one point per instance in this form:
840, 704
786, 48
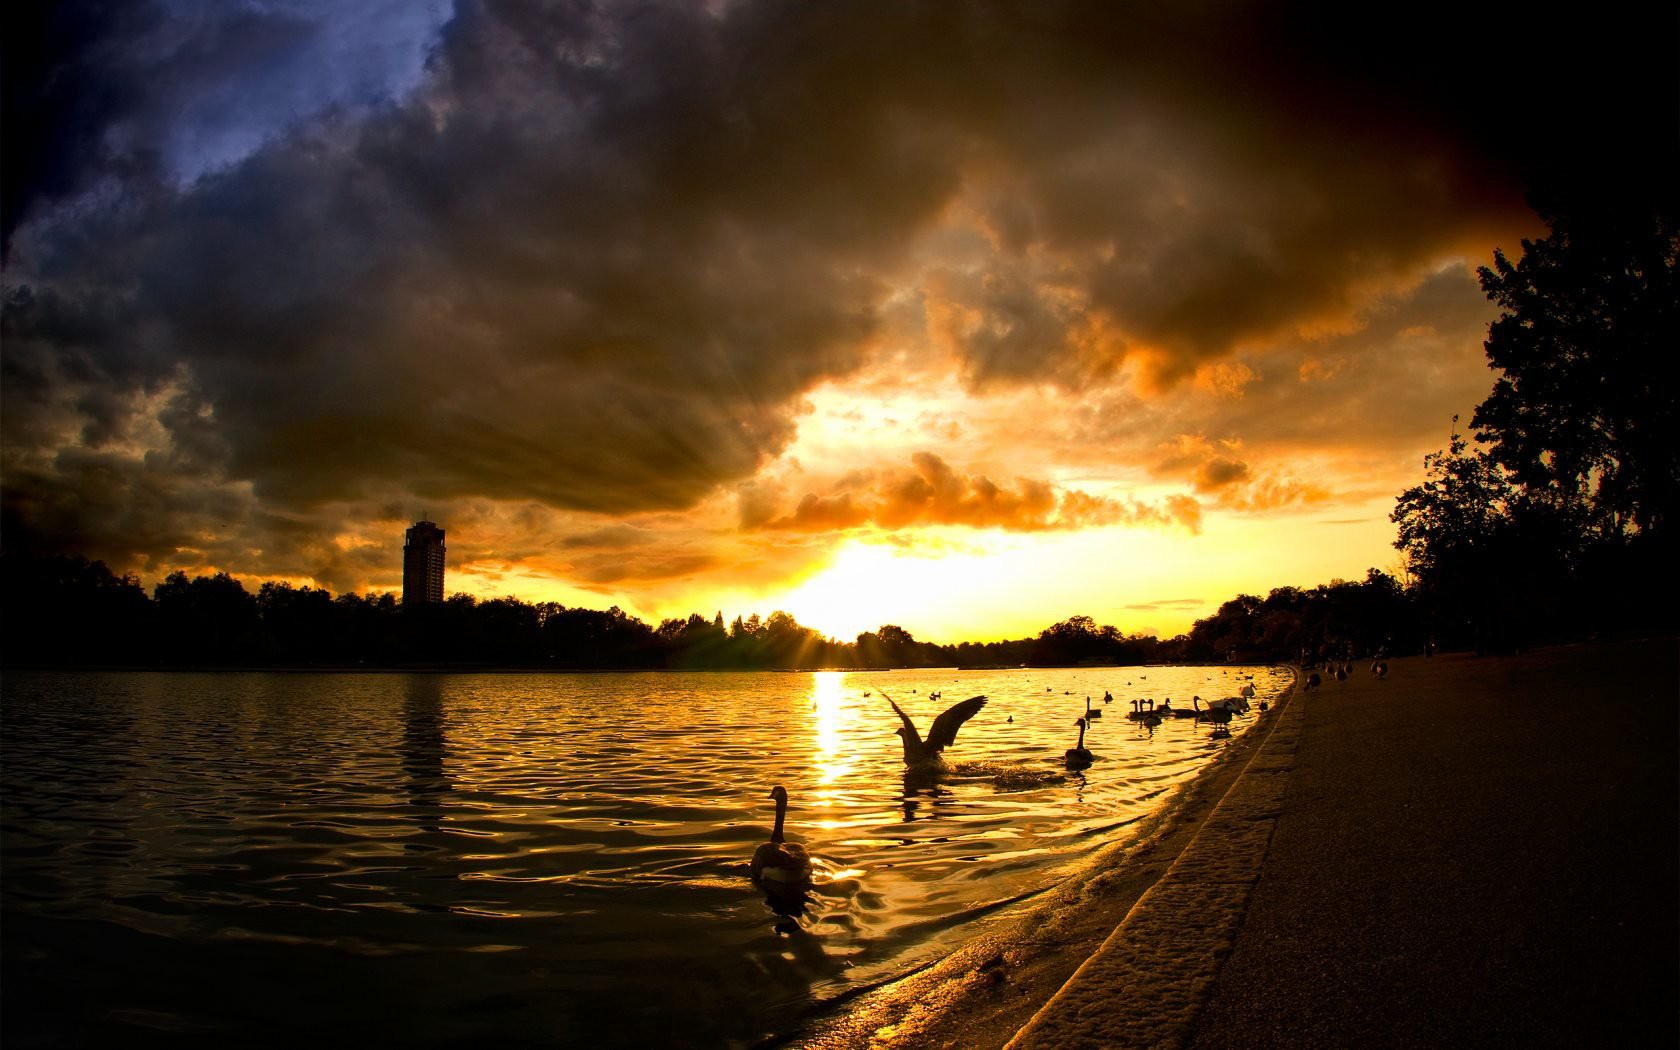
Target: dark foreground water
558, 860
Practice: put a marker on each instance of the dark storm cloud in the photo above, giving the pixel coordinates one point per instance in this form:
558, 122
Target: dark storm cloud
158, 91
597, 257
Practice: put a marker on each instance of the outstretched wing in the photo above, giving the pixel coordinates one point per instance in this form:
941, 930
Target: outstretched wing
945, 727
912, 739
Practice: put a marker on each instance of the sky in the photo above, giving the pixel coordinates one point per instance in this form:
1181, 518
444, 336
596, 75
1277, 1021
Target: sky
968, 317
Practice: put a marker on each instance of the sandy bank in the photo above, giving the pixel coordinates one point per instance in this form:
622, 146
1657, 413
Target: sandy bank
1471, 852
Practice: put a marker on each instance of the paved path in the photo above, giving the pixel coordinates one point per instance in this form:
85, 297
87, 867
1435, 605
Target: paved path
1474, 852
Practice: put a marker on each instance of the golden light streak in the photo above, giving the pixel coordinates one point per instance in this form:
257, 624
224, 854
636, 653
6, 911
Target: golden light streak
828, 718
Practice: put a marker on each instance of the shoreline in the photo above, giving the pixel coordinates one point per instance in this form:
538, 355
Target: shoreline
1235, 922
539, 669
980, 995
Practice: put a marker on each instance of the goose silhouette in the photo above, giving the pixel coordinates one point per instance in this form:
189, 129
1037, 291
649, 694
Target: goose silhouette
779, 863
1077, 757
1089, 713
926, 753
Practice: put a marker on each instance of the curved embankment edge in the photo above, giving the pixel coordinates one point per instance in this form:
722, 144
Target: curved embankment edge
1145, 984
1017, 978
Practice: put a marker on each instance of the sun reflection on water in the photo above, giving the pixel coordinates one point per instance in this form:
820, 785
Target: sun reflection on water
831, 760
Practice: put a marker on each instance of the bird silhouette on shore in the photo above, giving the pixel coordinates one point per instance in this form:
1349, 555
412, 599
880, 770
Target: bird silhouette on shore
778, 863
926, 753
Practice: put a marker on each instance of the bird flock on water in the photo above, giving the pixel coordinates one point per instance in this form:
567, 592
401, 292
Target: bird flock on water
784, 869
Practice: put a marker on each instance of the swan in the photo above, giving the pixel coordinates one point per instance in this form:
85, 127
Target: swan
1221, 719
1246, 692
779, 861
1108, 697
1077, 757
918, 752
1219, 712
1090, 714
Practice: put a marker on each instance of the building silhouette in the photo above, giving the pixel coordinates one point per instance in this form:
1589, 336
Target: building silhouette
423, 564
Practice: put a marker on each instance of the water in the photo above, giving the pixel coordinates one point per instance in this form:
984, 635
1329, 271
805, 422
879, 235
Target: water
532, 859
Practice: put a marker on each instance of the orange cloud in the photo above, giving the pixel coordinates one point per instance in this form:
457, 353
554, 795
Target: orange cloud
932, 493
1213, 468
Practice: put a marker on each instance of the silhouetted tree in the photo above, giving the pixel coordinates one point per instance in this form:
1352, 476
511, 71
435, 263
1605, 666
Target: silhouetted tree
66, 609
1584, 414
206, 619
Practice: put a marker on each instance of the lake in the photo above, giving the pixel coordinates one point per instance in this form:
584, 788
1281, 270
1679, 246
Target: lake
533, 859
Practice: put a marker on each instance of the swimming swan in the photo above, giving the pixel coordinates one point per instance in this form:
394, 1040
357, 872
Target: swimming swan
1090, 714
779, 861
1077, 757
918, 752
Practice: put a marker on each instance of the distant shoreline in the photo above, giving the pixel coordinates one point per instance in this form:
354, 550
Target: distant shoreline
500, 669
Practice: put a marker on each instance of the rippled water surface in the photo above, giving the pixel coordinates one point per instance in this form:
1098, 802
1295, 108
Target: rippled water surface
532, 859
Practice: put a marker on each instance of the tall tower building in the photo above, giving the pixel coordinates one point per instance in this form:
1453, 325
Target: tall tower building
423, 564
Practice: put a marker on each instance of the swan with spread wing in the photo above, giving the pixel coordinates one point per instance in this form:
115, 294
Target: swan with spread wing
919, 753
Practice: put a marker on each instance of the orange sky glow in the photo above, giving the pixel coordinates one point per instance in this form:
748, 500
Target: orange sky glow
966, 318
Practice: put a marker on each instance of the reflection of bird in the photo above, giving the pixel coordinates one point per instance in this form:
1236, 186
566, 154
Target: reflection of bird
779, 861
1089, 714
918, 752
1077, 756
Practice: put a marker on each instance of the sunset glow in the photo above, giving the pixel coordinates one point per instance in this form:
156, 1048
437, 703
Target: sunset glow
1100, 341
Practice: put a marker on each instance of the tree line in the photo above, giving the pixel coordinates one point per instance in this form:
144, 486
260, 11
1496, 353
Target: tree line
67, 610
1550, 520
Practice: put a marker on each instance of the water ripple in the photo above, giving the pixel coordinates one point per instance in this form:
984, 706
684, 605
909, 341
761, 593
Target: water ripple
593, 826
